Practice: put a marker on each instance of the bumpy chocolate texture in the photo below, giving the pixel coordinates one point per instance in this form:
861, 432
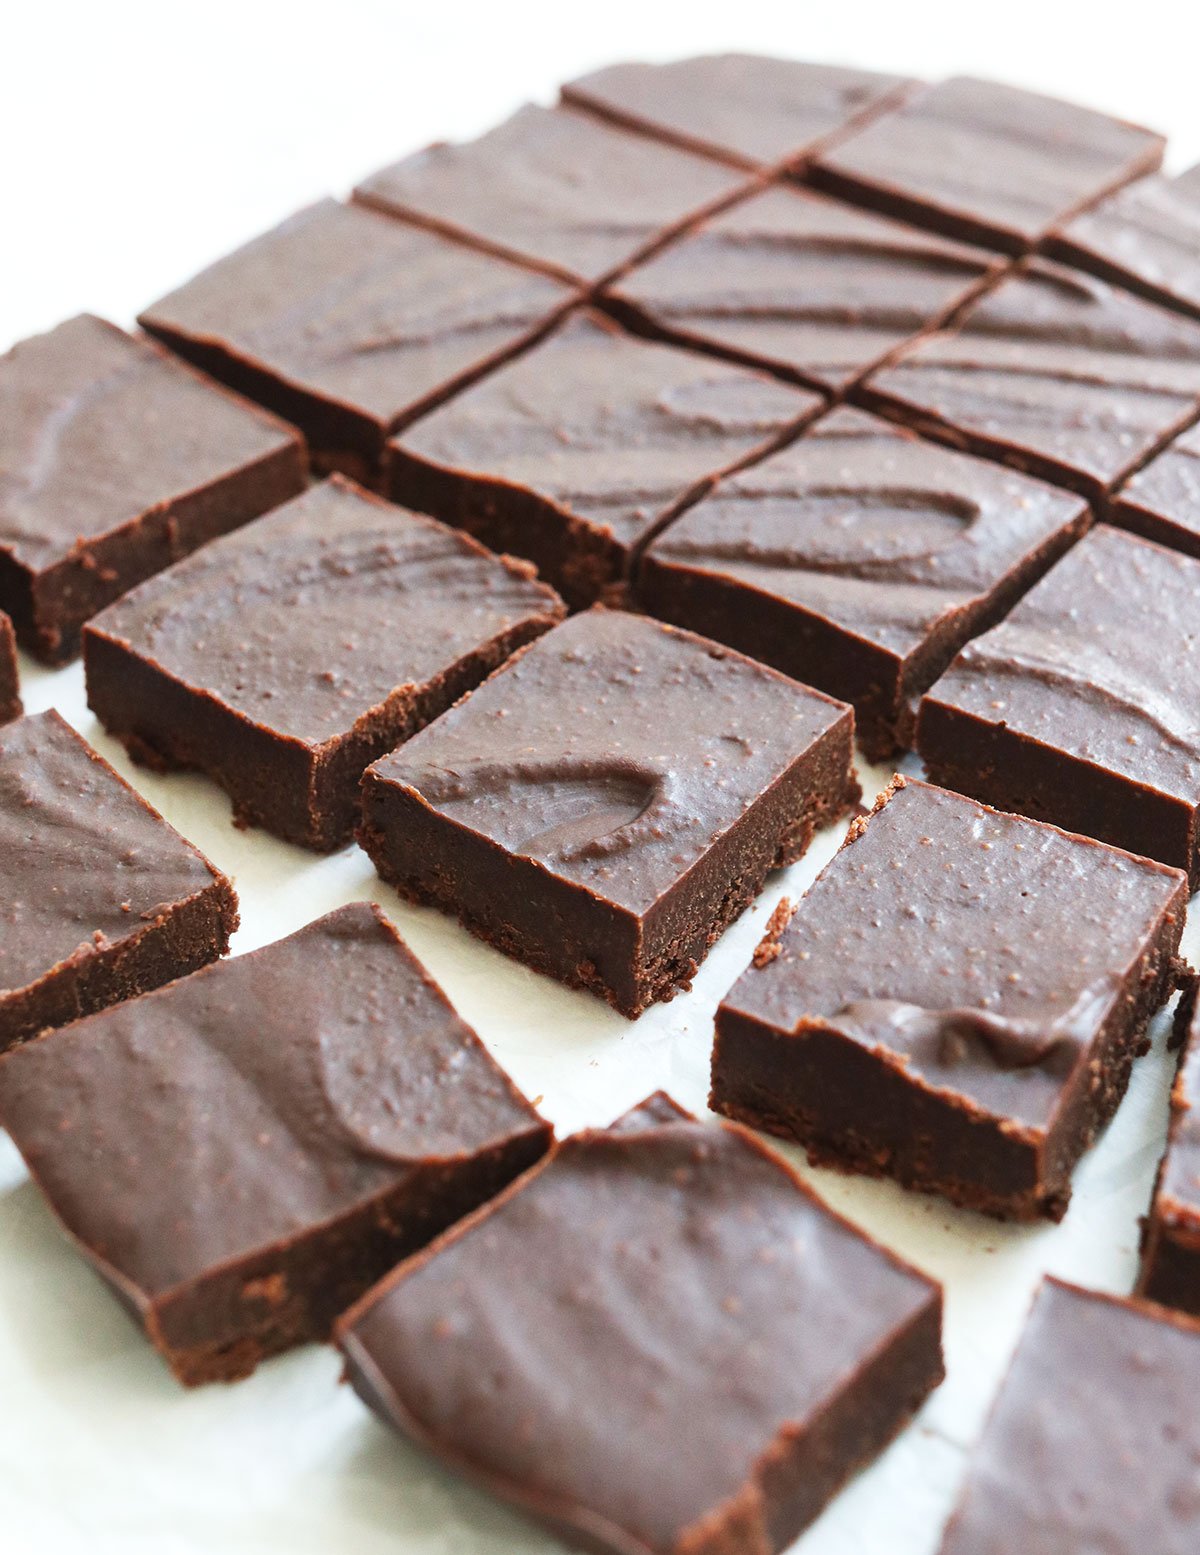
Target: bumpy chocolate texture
956, 1003
99, 898
747, 109
350, 325
607, 803
242, 1154
987, 162
557, 189
1072, 711
10, 694
1146, 237
284, 659
690, 1290
1055, 372
576, 453
116, 460
1170, 1270
1092, 1444
859, 559
1162, 501
800, 285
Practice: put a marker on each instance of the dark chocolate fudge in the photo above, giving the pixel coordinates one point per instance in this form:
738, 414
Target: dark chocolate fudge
799, 285
1162, 501
242, 1154
987, 162
690, 1292
285, 658
577, 452
116, 460
10, 693
956, 1003
608, 802
557, 189
747, 109
1146, 237
1092, 1444
1171, 1248
1083, 706
1055, 372
859, 559
99, 898
350, 325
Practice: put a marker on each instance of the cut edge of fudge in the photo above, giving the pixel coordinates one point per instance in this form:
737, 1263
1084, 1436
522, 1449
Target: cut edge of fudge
1169, 1271
10, 687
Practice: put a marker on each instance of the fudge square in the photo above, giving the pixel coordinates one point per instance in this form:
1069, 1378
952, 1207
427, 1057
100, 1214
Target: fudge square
556, 189
987, 162
690, 1290
1146, 237
1170, 1271
10, 694
747, 109
1081, 708
1055, 372
99, 898
800, 285
1162, 501
577, 452
956, 1003
1092, 1444
350, 324
285, 658
608, 802
117, 460
241, 1154
859, 559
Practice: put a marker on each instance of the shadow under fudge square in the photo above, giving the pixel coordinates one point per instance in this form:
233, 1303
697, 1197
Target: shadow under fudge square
800, 285
746, 109
1162, 501
350, 325
608, 802
956, 1003
1146, 238
577, 453
859, 559
1082, 707
100, 899
1052, 371
1092, 1442
285, 658
117, 460
10, 691
986, 162
557, 189
241, 1154
690, 1289
1170, 1269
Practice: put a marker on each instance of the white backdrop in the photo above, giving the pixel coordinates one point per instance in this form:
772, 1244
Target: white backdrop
140, 141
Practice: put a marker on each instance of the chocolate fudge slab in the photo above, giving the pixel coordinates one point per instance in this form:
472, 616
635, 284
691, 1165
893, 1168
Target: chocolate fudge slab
750, 110
99, 898
285, 658
350, 324
608, 802
1170, 1271
242, 1154
1073, 711
576, 453
1162, 501
1146, 238
1052, 371
1092, 1443
956, 1003
10, 693
690, 1290
801, 286
986, 162
557, 189
859, 559
117, 460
